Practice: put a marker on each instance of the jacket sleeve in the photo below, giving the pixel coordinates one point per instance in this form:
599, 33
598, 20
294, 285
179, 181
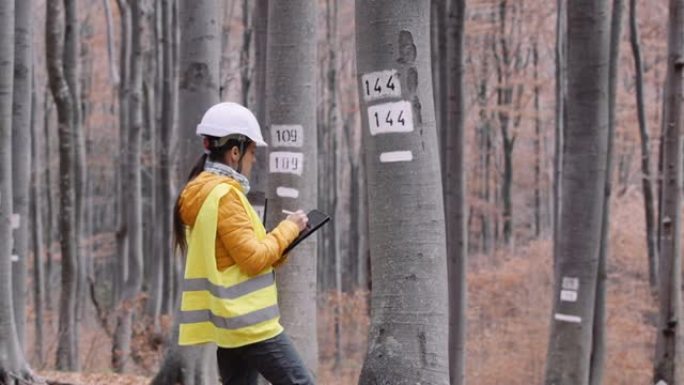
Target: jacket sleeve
238, 237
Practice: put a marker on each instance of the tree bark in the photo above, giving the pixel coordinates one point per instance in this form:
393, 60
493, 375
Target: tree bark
668, 357
561, 95
72, 72
599, 333
646, 181
538, 138
291, 82
259, 178
132, 286
408, 341
455, 191
583, 183
168, 153
21, 157
38, 165
13, 367
67, 351
199, 89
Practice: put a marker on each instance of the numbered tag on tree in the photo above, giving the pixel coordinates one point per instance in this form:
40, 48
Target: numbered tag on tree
286, 162
378, 85
390, 117
290, 135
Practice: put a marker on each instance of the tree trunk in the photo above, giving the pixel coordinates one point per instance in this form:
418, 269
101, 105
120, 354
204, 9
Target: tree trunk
67, 351
646, 181
259, 178
455, 191
38, 165
561, 95
668, 357
72, 72
245, 76
599, 333
13, 367
168, 154
21, 157
538, 138
111, 47
131, 290
408, 341
121, 261
199, 89
583, 183
291, 82
438, 37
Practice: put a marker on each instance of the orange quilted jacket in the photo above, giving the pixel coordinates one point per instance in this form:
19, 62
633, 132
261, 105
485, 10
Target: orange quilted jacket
236, 241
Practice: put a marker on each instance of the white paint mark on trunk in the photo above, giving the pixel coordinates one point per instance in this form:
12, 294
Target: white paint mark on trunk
396, 156
287, 192
390, 117
15, 258
381, 84
661, 382
286, 162
568, 295
567, 318
290, 135
570, 283
16, 221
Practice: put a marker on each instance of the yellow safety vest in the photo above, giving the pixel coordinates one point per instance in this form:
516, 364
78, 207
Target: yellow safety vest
227, 307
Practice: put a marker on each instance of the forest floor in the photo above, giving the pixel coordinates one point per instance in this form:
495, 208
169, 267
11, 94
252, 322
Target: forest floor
508, 319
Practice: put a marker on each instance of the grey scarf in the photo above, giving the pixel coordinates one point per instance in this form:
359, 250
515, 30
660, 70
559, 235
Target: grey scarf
225, 170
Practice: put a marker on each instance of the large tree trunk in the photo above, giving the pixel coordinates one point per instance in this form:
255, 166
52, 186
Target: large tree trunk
21, 156
668, 357
291, 107
408, 341
131, 290
455, 191
583, 183
646, 180
67, 351
199, 89
599, 333
13, 367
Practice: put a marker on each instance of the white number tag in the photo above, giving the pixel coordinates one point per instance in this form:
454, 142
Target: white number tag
287, 135
286, 162
382, 84
390, 117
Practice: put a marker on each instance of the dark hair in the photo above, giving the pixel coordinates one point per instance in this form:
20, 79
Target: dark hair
217, 153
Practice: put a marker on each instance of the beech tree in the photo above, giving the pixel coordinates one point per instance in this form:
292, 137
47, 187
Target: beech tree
582, 199
408, 341
292, 160
668, 357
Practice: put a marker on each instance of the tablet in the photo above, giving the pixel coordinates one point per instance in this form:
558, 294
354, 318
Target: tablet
316, 220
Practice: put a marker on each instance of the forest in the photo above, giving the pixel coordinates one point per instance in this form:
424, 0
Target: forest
504, 179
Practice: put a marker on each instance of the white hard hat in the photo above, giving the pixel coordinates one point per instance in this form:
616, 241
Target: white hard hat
227, 118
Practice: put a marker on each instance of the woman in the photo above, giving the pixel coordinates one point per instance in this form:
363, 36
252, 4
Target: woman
229, 291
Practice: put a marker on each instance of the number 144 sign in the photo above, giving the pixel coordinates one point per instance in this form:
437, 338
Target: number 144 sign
379, 85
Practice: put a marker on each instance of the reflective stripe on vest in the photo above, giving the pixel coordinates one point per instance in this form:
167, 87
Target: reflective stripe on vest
226, 307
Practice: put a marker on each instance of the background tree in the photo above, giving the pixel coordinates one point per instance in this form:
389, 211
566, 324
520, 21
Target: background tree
13, 367
21, 156
455, 191
647, 185
408, 341
199, 89
291, 133
668, 357
582, 200
67, 351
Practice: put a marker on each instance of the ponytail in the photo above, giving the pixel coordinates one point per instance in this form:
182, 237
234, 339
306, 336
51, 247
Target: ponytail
179, 240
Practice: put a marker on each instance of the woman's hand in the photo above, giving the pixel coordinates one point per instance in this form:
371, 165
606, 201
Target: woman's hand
299, 218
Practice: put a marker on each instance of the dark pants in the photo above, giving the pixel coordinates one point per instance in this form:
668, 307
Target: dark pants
276, 359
